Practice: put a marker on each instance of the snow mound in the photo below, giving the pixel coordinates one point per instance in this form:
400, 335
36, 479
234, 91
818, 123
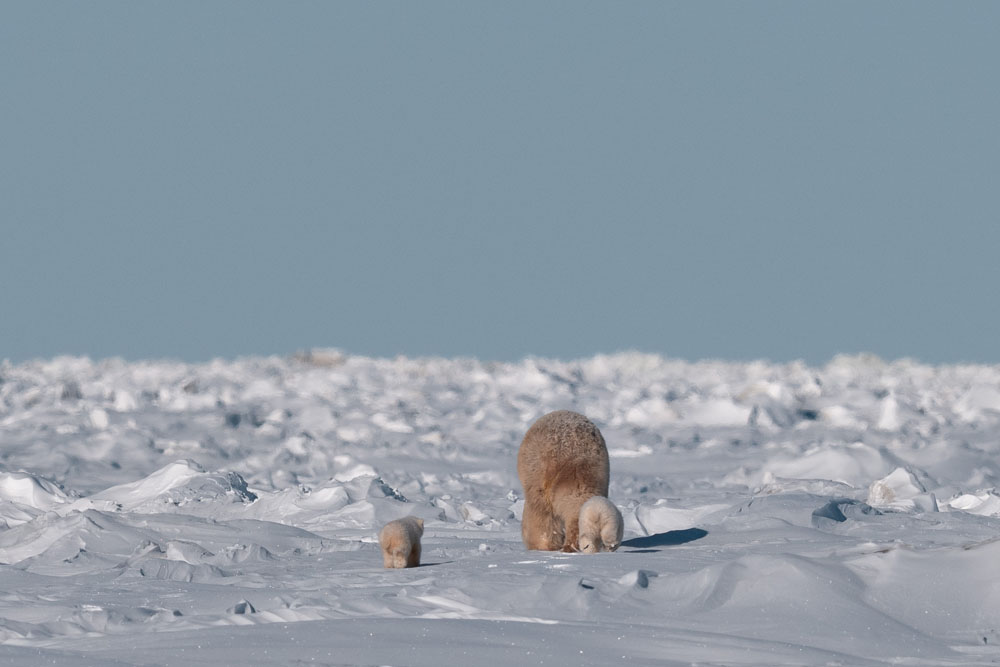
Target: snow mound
660, 517
175, 485
30, 491
852, 464
86, 540
24, 496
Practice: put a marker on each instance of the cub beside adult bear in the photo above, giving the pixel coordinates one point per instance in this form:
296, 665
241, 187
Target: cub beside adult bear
563, 463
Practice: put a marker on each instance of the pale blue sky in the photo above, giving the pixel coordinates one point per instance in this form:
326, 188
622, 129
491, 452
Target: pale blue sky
732, 180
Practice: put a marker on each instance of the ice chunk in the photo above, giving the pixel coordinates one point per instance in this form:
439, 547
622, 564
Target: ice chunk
983, 503
901, 490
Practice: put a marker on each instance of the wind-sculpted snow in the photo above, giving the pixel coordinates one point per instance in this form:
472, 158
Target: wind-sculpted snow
774, 514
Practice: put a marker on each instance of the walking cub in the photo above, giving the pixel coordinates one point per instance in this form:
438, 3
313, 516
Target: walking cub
400, 542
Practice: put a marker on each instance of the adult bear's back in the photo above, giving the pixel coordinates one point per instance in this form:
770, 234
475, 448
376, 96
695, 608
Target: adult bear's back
563, 448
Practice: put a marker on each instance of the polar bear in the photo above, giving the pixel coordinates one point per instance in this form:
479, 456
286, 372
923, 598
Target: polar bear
562, 462
601, 526
400, 542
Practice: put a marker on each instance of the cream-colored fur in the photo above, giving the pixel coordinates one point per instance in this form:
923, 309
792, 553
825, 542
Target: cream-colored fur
562, 462
601, 526
400, 542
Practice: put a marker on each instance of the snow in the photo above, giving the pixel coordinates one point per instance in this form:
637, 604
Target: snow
227, 513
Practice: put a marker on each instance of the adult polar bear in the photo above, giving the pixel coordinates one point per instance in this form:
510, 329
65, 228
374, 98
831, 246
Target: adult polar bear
563, 463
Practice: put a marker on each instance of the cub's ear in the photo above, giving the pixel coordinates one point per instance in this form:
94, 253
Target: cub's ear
420, 522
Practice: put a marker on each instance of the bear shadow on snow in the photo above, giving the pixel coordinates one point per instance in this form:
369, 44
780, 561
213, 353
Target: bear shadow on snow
671, 538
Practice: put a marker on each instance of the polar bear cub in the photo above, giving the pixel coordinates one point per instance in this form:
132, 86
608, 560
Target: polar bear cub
400, 542
562, 463
601, 526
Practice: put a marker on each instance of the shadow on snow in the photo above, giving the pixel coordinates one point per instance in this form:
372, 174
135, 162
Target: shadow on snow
671, 538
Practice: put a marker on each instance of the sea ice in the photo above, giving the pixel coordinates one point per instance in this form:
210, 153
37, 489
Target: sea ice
228, 512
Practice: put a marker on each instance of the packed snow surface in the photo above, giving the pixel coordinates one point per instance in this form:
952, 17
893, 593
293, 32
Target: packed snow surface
227, 513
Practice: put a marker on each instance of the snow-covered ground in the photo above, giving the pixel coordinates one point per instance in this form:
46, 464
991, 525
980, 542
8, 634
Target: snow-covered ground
226, 513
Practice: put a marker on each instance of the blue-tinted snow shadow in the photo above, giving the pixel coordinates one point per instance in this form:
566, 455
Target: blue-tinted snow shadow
671, 538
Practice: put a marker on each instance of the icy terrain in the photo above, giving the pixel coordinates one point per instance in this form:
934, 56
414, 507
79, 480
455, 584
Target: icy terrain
226, 513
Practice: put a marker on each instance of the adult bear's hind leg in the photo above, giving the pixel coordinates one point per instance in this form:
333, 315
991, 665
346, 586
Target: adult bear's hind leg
540, 529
